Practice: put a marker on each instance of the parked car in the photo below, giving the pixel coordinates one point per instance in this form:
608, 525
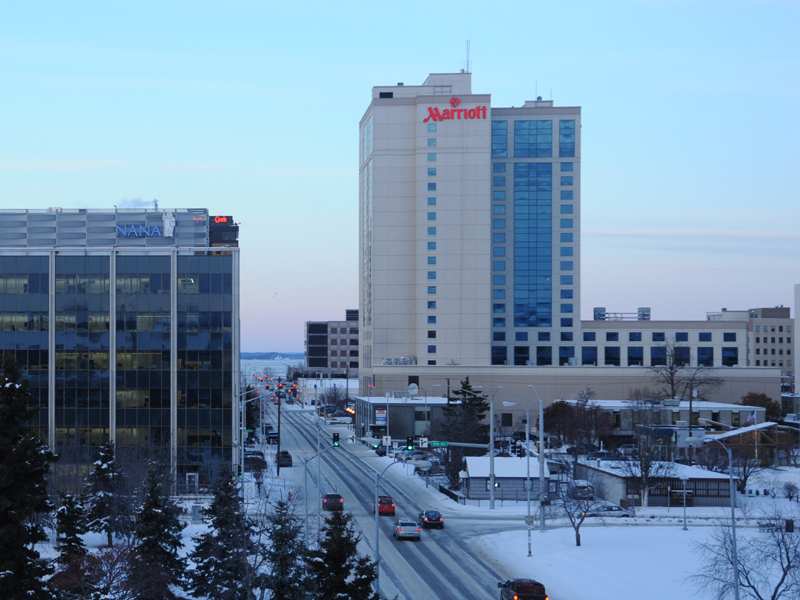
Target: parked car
582, 449
380, 450
608, 510
412, 455
580, 489
431, 518
272, 437
332, 502
522, 589
284, 459
385, 506
629, 450
406, 529
252, 463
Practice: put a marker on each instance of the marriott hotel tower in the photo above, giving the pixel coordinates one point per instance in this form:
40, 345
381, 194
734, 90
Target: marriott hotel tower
469, 228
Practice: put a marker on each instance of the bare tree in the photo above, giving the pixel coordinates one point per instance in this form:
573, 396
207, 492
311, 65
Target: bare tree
677, 378
574, 500
768, 563
773, 408
746, 463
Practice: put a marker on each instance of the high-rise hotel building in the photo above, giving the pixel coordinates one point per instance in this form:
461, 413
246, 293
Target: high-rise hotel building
126, 323
470, 217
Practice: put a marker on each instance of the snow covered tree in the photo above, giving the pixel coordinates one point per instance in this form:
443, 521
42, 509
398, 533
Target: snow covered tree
24, 462
158, 537
222, 570
70, 525
285, 556
335, 568
107, 510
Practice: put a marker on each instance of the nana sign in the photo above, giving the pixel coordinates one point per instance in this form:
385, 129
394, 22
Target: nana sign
138, 231
479, 112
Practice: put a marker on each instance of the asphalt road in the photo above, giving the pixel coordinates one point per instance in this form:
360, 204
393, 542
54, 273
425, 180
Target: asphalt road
442, 565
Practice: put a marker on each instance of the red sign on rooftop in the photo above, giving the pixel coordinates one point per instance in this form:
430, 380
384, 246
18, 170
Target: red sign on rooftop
479, 112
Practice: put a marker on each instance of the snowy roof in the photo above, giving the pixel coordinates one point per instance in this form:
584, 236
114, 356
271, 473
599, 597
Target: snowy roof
741, 430
416, 400
478, 466
675, 470
684, 405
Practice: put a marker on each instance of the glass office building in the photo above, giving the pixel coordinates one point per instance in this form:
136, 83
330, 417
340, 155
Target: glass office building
126, 323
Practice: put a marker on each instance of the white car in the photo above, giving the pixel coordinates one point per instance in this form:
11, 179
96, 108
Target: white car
406, 529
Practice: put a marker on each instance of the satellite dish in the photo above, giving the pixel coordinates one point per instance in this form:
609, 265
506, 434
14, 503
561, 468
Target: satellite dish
413, 388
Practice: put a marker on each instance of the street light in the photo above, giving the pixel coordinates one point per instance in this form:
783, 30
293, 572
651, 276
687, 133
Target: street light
491, 440
528, 465
696, 443
684, 480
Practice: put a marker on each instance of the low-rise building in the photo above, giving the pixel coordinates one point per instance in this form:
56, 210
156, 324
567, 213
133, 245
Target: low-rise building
510, 478
331, 347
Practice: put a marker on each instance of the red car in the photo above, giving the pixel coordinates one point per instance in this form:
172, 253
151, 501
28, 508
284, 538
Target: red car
385, 506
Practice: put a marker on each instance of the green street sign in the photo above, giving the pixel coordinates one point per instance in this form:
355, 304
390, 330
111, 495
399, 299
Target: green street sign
438, 444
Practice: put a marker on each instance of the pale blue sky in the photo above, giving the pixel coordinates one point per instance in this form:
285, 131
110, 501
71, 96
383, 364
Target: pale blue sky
690, 129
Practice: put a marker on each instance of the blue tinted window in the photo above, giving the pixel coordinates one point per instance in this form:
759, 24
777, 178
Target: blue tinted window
498, 336
566, 166
705, 356
658, 336
431, 230
566, 336
612, 356
566, 209
566, 265
521, 336
431, 216
566, 294
499, 223
431, 245
431, 260
432, 186
635, 336
566, 251
589, 355
499, 167
499, 322
566, 138
566, 280
522, 355
658, 356
566, 180
533, 139
565, 354
544, 336
566, 237
431, 141
498, 251
635, 356
499, 238
431, 274
566, 308
498, 308
499, 355
499, 139
431, 156
499, 265
544, 356
431, 201
498, 195
432, 319
566, 322
431, 289
498, 279
705, 336
431, 126
566, 223
431, 171
589, 336
499, 294
431, 303
681, 336
566, 194
431, 349
498, 209
728, 337
612, 336
498, 181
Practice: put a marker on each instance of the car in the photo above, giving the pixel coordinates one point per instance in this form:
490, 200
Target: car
380, 450
252, 463
608, 510
272, 437
332, 502
284, 459
406, 529
604, 455
411, 455
522, 589
385, 506
582, 449
628, 450
431, 518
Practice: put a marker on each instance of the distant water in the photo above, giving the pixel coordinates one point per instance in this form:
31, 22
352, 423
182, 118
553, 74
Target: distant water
272, 368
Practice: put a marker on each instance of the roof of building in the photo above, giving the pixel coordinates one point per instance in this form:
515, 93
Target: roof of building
416, 400
514, 467
684, 405
740, 430
624, 469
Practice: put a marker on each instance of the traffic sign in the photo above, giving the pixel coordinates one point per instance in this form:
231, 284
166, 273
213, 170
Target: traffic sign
423, 442
438, 444
387, 440
530, 520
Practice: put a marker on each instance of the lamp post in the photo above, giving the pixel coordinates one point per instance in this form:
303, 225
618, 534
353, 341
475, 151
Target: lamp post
684, 480
528, 465
491, 440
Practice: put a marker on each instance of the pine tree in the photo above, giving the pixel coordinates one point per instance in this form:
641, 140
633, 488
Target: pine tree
285, 556
222, 570
335, 568
106, 509
158, 534
24, 462
70, 525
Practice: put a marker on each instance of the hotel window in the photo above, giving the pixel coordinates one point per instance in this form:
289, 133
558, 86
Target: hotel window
431, 141
498, 336
499, 167
431, 304
499, 265
681, 336
499, 238
566, 308
498, 251
499, 139
566, 194
566, 251
566, 322
431, 335
544, 336
566, 336
498, 181
566, 209
566, 138
431, 216
498, 223
499, 294
432, 186
498, 308
566, 223
432, 157
566, 280
431, 230
612, 336
431, 126
566, 294
659, 336
566, 180
731, 337
498, 279
566, 238
566, 166
566, 265
432, 350
431, 171
432, 319
498, 209
498, 196
431, 289
521, 336
589, 336
431, 260
431, 245
704, 336
431, 201
498, 322
533, 139
431, 274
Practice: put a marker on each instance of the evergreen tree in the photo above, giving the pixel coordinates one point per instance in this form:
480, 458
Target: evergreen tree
24, 462
158, 534
335, 568
285, 555
107, 510
222, 570
70, 525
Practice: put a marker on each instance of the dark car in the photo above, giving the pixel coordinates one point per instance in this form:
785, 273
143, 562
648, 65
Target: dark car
272, 437
332, 502
522, 589
431, 518
582, 449
284, 459
380, 450
253, 463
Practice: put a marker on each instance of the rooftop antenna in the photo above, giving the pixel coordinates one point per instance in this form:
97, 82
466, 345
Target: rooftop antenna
468, 43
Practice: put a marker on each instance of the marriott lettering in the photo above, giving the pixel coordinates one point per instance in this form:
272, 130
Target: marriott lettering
455, 113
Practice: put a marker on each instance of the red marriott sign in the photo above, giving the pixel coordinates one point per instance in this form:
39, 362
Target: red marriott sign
479, 112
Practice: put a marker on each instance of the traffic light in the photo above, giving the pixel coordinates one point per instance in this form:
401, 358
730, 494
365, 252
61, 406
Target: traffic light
520, 449
336, 440
280, 386
410, 443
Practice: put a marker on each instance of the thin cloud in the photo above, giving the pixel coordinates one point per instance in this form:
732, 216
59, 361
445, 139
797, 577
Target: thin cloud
678, 233
135, 203
61, 165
